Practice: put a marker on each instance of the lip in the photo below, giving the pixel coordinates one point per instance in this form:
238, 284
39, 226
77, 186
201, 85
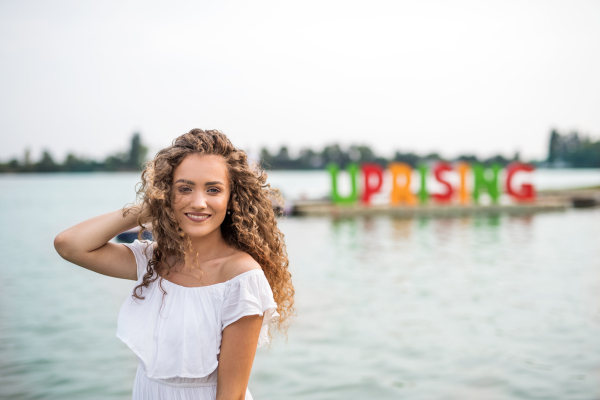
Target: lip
198, 221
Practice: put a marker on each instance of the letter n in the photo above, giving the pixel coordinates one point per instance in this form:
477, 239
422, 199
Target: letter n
482, 183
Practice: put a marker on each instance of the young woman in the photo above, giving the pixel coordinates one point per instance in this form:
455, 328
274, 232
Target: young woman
211, 283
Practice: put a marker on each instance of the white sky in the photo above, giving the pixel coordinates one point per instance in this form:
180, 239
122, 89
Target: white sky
448, 76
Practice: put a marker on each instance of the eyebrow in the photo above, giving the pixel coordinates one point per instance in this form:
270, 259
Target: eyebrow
185, 181
193, 184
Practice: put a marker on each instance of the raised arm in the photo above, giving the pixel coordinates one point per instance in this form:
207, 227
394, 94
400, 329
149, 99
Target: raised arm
238, 348
87, 244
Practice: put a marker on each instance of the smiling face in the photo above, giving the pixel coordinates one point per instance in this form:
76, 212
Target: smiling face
201, 193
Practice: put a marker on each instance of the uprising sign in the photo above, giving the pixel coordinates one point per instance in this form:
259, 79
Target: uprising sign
484, 180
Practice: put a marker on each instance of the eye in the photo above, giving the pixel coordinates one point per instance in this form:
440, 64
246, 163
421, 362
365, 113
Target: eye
184, 189
214, 190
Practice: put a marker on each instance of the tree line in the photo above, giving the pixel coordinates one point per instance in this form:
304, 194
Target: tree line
573, 150
131, 160
317, 159
564, 150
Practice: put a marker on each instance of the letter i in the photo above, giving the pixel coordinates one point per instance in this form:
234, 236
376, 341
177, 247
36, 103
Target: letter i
423, 194
463, 168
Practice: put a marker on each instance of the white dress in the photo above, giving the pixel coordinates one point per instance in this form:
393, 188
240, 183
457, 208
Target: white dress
178, 339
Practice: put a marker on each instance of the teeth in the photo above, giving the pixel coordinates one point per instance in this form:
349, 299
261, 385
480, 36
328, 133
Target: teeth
198, 217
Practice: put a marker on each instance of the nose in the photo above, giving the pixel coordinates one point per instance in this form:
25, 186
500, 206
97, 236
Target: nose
198, 200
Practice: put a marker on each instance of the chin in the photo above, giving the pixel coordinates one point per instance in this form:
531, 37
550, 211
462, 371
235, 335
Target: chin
195, 233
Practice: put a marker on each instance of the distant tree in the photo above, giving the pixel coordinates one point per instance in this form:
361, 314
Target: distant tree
11, 166
14, 165
571, 143
581, 152
433, 157
283, 154
27, 157
74, 164
137, 153
130, 161
308, 159
366, 153
409, 158
117, 162
497, 159
27, 165
46, 164
283, 160
573, 150
334, 153
266, 157
470, 159
553, 146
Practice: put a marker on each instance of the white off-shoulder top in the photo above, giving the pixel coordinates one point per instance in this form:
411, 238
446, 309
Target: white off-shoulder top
179, 336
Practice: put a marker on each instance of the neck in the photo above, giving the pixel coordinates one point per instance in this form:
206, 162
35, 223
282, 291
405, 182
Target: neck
210, 246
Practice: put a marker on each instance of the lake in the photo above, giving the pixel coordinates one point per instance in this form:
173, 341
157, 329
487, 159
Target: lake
498, 307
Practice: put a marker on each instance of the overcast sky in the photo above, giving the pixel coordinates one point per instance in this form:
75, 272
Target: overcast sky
448, 76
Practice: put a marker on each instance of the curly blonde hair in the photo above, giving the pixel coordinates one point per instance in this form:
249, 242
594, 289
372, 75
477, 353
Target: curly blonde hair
251, 227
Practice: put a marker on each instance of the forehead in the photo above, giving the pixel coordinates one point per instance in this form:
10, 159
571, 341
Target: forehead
202, 168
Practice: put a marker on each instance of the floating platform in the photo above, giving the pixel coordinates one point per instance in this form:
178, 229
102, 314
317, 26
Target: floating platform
314, 208
547, 201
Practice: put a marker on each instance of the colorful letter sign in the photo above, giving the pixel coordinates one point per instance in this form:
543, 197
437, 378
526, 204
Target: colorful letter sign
371, 171
446, 196
401, 192
483, 180
487, 183
526, 193
353, 171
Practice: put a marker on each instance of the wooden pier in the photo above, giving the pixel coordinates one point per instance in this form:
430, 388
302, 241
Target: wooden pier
547, 201
429, 210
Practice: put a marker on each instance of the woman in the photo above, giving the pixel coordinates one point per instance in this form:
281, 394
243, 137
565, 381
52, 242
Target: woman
212, 281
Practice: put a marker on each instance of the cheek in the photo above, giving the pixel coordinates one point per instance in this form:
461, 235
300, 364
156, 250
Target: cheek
178, 200
223, 204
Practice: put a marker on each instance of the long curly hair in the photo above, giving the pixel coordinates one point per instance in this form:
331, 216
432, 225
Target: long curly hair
251, 227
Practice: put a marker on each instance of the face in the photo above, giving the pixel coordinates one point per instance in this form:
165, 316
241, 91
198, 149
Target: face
201, 194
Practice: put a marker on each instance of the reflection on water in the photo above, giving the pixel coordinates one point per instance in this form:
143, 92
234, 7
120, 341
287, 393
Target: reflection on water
501, 307
483, 307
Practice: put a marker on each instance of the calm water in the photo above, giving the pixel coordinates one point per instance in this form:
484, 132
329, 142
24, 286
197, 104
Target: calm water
483, 308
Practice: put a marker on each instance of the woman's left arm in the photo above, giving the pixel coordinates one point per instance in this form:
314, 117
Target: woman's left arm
238, 348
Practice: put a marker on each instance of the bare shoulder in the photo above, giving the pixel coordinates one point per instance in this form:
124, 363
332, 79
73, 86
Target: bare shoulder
239, 263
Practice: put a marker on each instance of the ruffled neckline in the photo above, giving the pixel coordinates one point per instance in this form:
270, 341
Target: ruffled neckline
255, 271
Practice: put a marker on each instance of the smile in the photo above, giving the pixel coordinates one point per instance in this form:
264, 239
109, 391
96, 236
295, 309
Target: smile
198, 217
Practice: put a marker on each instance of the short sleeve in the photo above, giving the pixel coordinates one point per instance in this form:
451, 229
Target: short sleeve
142, 252
250, 294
